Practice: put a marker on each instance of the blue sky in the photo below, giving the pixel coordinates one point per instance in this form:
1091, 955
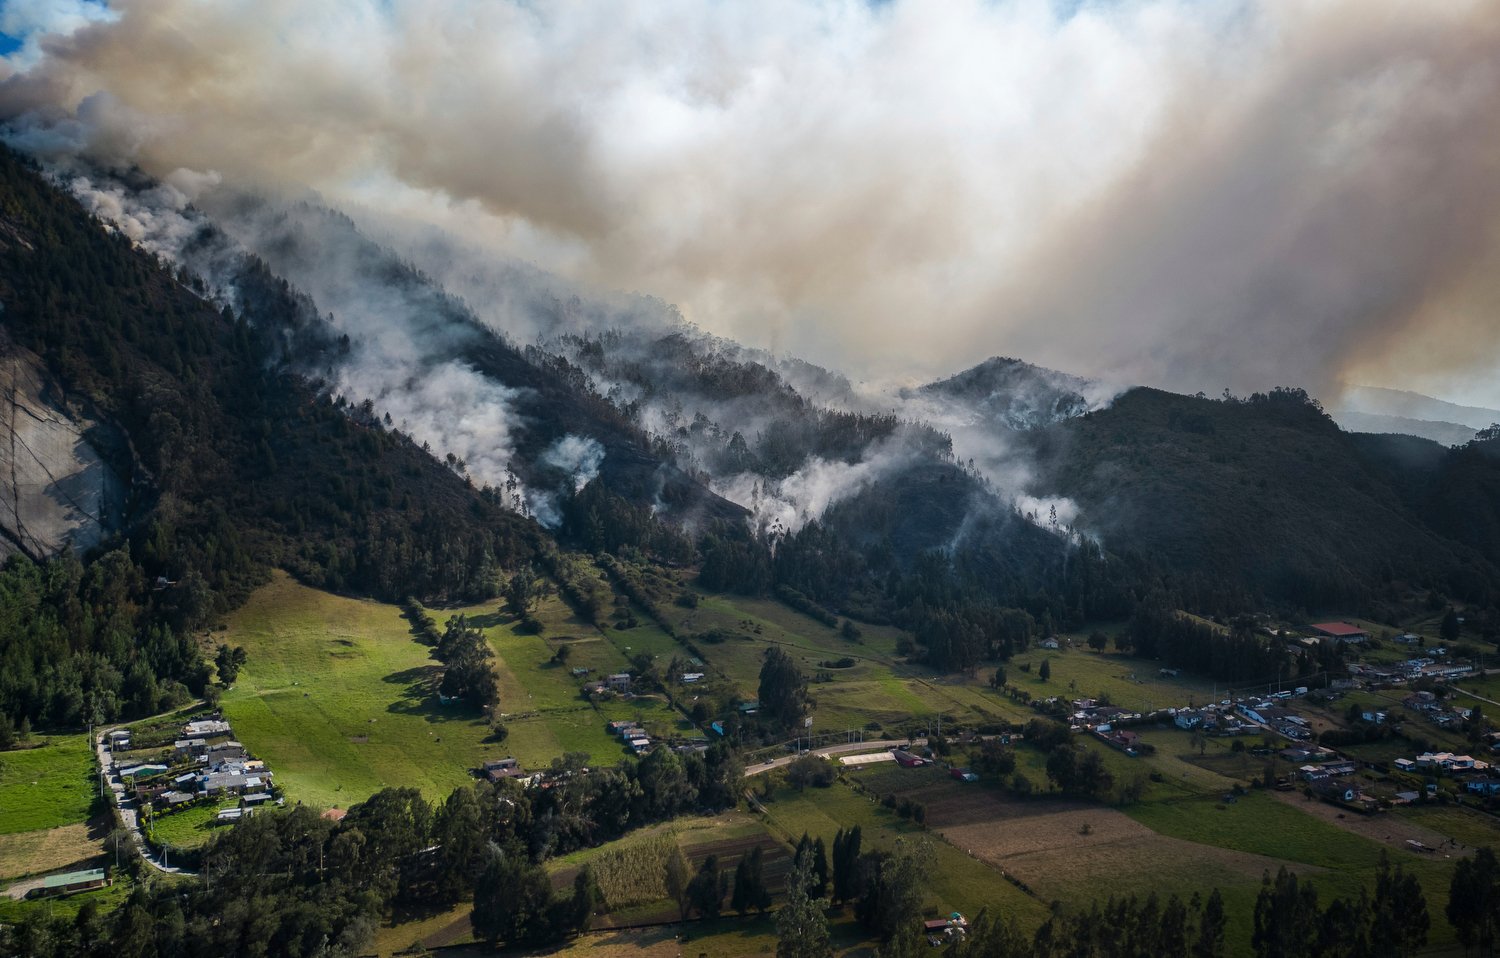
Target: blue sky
8, 44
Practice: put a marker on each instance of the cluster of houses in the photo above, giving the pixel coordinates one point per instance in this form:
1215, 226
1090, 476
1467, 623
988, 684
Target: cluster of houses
1430, 707
1411, 670
631, 733
205, 762
1211, 719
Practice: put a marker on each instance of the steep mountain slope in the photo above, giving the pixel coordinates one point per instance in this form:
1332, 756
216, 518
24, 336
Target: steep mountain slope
505, 415
56, 490
242, 460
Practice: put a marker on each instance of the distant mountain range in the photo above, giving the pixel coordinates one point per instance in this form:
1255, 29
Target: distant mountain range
1379, 410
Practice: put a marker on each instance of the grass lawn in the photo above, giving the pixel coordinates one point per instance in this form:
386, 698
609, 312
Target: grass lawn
190, 827
1129, 682
108, 899
336, 697
1469, 826
50, 785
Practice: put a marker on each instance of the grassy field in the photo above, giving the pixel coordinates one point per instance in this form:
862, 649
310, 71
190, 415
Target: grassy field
107, 899
339, 697
959, 880
48, 849
50, 785
336, 697
190, 827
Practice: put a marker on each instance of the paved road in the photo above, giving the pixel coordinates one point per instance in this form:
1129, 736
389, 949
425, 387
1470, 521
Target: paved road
120, 796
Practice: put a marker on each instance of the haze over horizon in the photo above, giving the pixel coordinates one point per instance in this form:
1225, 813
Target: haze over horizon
1190, 195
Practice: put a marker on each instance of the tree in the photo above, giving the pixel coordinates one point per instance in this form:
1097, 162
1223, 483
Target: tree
580, 908
1286, 917
511, 899
677, 881
783, 690
997, 681
1400, 914
1210, 940
706, 891
459, 829
846, 863
1451, 626
1045, 672
228, 661
1098, 640
1474, 901
811, 770
893, 888
1093, 778
819, 856
1062, 767
750, 884
522, 591
802, 924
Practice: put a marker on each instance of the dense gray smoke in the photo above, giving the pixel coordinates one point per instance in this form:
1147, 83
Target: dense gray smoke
1187, 194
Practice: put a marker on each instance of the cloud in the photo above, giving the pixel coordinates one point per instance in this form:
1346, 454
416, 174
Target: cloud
32, 21
1188, 194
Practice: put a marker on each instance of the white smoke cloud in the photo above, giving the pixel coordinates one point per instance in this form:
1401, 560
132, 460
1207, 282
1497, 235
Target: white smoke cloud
578, 456
788, 504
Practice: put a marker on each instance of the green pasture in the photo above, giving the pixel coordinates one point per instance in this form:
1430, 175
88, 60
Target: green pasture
46, 786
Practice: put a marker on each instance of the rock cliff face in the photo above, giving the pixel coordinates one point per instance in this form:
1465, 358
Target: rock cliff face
56, 491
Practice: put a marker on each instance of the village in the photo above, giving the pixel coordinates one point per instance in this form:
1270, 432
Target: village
160, 773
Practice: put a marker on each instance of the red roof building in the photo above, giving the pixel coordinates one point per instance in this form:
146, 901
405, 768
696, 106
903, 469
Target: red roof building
1342, 631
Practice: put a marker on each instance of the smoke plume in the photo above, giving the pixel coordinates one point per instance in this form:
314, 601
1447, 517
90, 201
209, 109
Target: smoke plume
1189, 194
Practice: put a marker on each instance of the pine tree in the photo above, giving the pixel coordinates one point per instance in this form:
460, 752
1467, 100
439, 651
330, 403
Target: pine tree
801, 924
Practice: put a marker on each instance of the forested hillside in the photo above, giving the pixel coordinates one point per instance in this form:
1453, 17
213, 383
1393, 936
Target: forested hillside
1267, 497
237, 464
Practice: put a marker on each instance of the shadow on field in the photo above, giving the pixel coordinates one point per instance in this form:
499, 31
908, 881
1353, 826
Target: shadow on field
491, 620
419, 697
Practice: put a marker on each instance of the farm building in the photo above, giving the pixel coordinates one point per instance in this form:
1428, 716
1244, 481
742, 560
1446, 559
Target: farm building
206, 728
1341, 631
907, 759
962, 774
504, 768
1122, 739
619, 682
69, 882
119, 740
